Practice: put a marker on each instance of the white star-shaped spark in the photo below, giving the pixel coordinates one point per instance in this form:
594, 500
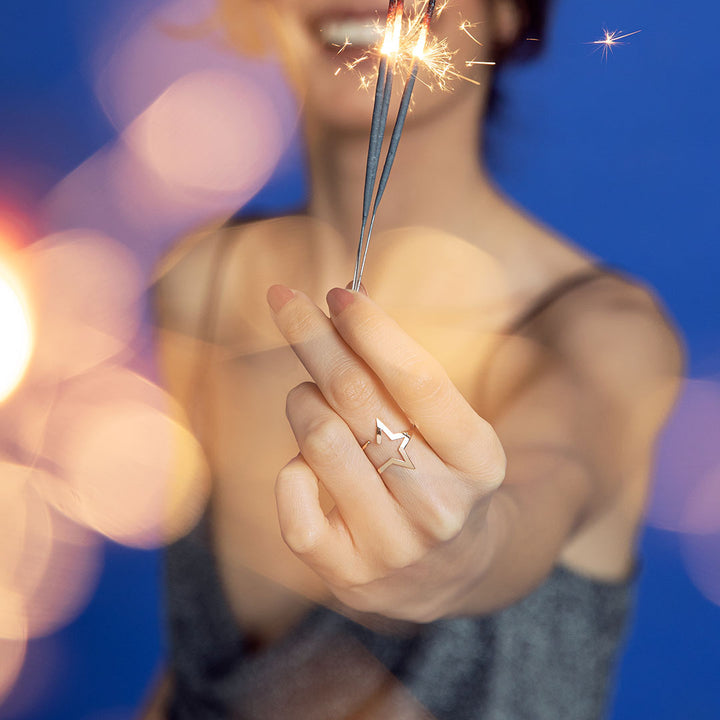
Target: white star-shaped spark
612, 39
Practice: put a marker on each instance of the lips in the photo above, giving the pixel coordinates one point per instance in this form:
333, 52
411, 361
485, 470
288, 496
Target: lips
362, 32
359, 30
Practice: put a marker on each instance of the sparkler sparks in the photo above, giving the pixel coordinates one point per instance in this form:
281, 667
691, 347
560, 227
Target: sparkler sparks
611, 39
405, 53
402, 53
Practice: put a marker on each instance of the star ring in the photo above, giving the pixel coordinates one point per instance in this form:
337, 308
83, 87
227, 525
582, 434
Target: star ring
405, 437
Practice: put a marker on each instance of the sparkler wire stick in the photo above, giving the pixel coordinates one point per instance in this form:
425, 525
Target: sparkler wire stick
395, 138
389, 159
372, 158
381, 106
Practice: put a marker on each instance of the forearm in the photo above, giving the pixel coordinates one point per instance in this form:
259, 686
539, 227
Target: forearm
527, 522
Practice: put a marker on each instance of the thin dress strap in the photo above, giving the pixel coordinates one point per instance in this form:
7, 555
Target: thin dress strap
554, 293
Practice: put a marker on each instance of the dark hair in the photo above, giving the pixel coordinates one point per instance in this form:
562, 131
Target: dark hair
531, 33
527, 44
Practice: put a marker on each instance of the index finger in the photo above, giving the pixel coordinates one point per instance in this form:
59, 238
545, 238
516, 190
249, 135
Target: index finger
419, 385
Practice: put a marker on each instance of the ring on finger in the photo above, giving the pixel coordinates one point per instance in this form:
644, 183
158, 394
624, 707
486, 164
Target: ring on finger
404, 436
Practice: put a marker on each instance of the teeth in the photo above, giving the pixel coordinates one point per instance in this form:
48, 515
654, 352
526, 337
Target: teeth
356, 32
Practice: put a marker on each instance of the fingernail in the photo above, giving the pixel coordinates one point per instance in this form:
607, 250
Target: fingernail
338, 299
278, 296
363, 289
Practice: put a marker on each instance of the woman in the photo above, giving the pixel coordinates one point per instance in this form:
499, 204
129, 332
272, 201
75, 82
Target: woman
475, 560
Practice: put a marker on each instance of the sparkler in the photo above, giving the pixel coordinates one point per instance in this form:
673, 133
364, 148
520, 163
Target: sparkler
436, 57
383, 92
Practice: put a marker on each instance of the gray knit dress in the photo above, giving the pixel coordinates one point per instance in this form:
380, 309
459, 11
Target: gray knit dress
548, 657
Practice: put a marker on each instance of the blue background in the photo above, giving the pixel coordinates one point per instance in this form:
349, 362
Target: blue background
622, 156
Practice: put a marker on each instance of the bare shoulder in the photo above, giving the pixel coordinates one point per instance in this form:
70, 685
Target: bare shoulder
626, 360
231, 267
615, 334
183, 278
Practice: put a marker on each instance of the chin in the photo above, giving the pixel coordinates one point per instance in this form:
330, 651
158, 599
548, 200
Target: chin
341, 104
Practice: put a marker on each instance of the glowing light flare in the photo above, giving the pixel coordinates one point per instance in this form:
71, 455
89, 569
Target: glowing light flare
134, 471
131, 468
701, 512
210, 132
686, 487
461, 347
397, 26
48, 565
700, 554
387, 44
132, 69
70, 578
417, 43
25, 542
419, 51
611, 39
16, 333
85, 288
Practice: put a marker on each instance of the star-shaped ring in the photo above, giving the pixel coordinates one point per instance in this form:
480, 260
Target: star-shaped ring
405, 461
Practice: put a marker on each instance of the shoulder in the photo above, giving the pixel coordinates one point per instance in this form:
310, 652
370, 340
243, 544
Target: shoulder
614, 334
184, 276
225, 271
207, 269
603, 375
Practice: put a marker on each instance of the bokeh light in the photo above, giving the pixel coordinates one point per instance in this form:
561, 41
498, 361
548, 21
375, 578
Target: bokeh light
686, 489
131, 468
210, 132
701, 553
48, 564
16, 334
85, 289
133, 68
686, 493
26, 539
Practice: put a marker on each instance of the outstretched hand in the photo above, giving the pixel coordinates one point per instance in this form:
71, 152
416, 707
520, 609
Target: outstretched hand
407, 543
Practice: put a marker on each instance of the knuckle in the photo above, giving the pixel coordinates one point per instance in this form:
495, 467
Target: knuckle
401, 556
324, 438
297, 396
286, 477
353, 578
301, 537
352, 389
300, 326
302, 540
422, 380
446, 522
444, 517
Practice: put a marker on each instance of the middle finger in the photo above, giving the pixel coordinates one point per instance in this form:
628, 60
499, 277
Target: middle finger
347, 383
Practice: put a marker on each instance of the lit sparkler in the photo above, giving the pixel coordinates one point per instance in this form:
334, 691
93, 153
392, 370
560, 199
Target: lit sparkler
612, 39
389, 54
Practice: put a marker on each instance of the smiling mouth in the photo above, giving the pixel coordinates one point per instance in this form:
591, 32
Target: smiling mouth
349, 32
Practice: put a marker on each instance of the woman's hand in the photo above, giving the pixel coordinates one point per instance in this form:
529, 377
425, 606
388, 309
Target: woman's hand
407, 543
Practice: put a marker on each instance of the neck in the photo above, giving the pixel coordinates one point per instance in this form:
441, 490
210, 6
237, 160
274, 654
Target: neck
437, 179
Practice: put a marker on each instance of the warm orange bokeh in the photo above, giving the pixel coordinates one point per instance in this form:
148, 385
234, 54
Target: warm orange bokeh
16, 331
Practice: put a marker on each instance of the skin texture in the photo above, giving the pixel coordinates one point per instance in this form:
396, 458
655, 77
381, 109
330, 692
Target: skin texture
531, 448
